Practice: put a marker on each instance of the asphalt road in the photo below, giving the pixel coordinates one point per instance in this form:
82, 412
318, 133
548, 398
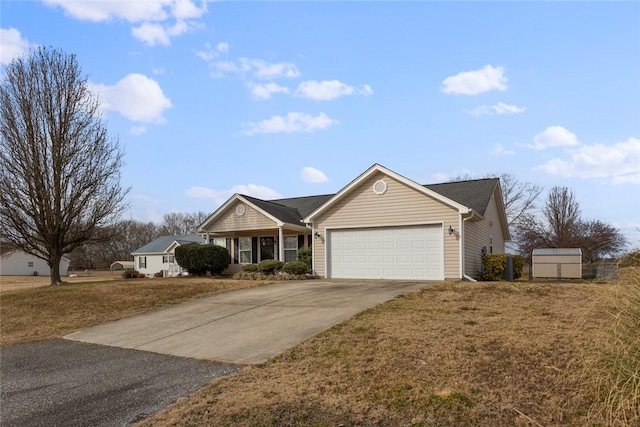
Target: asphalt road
68, 383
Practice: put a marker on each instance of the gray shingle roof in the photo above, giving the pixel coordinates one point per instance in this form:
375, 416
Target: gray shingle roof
161, 244
290, 210
474, 194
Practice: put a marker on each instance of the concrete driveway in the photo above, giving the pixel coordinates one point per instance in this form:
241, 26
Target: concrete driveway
248, 325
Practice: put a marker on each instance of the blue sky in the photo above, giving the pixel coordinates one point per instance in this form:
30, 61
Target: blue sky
285, 99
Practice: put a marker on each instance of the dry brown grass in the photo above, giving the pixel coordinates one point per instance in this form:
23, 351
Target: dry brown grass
14, 283
610, 378
48, 312
482, 354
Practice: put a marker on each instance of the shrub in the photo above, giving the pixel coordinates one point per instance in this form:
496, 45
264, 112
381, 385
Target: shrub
305, 255
270, 266
250, 268
296, 267
199, 259
132, 274
493, 266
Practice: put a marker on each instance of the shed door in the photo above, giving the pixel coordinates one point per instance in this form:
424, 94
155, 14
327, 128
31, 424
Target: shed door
409, 253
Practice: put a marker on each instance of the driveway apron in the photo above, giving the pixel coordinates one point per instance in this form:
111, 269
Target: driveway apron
246, 326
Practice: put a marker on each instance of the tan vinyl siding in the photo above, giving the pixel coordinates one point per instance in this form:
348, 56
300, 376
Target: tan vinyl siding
230, 221
478, 234
399, 205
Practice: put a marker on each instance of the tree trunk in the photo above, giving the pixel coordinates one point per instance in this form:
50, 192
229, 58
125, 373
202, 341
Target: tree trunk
54, 264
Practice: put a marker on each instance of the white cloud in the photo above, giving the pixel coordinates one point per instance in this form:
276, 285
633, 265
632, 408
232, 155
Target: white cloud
265, 91
618, 163
149, 14
476, 82
501, 151
257, 67
221, 196
313, 175
499, 109
12, 45
554, 136
210, 53
136, 96
152, 34
265, 70
293, 122
328, 89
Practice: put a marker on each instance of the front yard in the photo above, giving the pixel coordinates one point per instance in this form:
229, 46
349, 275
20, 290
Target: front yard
499, 354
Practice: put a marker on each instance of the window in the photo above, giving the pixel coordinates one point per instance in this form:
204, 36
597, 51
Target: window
168, 258
142, 262
290, 248
244, 250
219, 241
490, 245
30, 264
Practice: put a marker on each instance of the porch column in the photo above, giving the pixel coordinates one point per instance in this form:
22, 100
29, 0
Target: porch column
280, 244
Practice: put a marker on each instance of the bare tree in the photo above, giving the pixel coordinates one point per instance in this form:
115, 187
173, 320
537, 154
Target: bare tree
177, 223
561, 226
59, 170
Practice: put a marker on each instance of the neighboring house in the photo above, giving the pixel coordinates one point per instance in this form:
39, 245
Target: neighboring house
159, 255
380, 226
14, 262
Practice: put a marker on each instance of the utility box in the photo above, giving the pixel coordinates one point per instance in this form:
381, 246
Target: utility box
556, 263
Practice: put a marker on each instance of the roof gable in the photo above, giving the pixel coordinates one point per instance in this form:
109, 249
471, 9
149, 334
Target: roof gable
163, 243
379, 168
281, 211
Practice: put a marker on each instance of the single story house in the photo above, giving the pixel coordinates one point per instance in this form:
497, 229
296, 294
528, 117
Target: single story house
15, 262
159, 255
379, 226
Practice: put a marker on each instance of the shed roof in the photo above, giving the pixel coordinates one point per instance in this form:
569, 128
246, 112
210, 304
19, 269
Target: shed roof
557, 251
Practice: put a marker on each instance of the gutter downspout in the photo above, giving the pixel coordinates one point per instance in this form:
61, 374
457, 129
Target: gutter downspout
464, 275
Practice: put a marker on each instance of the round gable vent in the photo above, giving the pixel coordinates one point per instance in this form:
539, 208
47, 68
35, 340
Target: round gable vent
380, 187
240, 210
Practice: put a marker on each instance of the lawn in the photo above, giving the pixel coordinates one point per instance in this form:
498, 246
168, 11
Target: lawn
30, 311
472, 354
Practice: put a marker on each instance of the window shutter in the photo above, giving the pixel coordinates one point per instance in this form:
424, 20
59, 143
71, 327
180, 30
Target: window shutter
309, 240
300, 241
235, 250
254, 250
228, 246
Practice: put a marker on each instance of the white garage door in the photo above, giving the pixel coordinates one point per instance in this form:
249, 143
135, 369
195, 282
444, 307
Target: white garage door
413, 253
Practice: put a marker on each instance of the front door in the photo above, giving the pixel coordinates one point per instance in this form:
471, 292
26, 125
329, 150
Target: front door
266, 248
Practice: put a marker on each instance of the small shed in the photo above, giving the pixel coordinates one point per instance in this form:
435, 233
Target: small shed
556, 263
122, 265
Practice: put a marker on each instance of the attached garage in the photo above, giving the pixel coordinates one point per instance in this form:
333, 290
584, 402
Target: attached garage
406, 253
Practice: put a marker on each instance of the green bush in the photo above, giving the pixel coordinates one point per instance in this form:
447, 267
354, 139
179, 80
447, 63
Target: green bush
199, 259
270, 266
295, 267
250, 268
493, 266
305, 255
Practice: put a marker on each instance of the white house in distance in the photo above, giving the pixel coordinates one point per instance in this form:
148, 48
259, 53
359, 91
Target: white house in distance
14, 262
159, 255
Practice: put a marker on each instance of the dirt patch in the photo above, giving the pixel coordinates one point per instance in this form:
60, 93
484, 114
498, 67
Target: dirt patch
498, 354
